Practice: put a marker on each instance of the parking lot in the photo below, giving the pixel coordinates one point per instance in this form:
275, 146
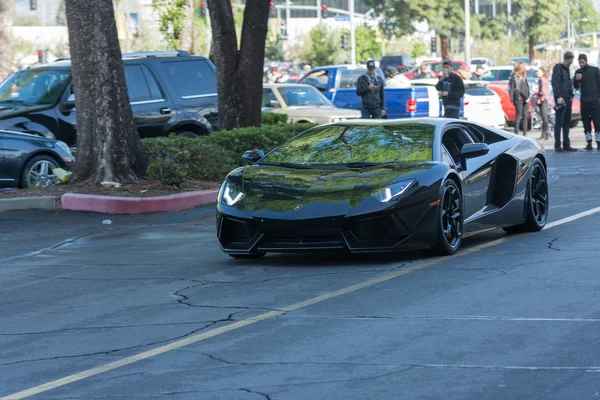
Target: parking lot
149, 307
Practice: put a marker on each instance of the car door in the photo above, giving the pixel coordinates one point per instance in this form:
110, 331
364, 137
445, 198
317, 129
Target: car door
475, 172
3, 169
151, 109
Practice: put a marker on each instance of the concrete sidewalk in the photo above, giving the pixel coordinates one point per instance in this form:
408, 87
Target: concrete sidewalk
576, 135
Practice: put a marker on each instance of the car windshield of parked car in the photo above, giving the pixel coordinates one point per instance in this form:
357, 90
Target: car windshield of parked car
303, 96
34, 87
342, 145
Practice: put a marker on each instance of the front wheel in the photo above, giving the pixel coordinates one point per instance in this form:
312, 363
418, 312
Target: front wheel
39, 172
450, 219
536, 201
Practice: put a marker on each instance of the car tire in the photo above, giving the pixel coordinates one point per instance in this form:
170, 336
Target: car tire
450, 219
43, 166
246, 256
536, 203
187, 134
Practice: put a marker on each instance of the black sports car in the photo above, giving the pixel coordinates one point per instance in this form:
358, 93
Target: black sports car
386, 185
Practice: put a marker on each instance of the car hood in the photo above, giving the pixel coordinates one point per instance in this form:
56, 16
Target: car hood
322, 111
302, 193
12, 110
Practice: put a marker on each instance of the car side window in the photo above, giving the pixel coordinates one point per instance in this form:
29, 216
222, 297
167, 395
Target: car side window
267, 97
487, 76
191, 79
487, 136
155, 90
504, 75
137, 86
318, 79
453, 140
446, 157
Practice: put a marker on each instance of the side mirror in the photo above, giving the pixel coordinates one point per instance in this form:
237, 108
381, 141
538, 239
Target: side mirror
69, 104
253, 156
473, 150
274, 104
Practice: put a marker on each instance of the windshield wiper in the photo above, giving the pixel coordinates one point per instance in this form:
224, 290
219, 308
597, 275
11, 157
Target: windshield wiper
285, 164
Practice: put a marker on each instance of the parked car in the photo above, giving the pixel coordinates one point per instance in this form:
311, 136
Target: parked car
338, 84
502, 74
303, 103
436, 68
373, 186
28, 160
169, 92
515, 60
401, 62
485, 63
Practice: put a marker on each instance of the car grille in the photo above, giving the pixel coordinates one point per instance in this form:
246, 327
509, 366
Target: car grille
376, 232
238, 234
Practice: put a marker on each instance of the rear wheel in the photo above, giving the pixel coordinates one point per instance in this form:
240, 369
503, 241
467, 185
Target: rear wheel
450, 219
536, 201
247, 256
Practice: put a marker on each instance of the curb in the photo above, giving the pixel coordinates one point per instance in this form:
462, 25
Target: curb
137, 205
28, 203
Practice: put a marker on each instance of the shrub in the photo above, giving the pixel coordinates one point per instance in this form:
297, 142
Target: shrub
271, 118
176, 159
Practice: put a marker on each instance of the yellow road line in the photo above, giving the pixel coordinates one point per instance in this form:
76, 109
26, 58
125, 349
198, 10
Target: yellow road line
249, 321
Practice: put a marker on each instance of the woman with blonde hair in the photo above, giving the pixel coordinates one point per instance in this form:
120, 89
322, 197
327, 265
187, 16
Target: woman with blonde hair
519, 95
543, 101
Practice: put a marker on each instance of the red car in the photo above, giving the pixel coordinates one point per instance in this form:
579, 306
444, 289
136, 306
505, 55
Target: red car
501, 89
436, 68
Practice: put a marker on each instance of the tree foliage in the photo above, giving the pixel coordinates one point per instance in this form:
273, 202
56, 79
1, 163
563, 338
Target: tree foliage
171, 19
321, 46
366, 44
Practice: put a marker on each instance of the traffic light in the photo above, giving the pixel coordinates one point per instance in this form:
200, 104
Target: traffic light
271, 9
433, 44
33, 5
203, 10
323, 11
345, 41
41, 56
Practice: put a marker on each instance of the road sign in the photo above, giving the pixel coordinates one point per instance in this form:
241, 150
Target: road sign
342, 18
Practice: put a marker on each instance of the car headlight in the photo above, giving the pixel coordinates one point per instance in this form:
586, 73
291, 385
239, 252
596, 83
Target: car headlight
393, 191
63, 146
231, 194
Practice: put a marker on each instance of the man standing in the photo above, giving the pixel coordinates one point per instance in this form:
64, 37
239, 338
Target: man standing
476, 76
588, 79
370, 89
452, 90
563, 98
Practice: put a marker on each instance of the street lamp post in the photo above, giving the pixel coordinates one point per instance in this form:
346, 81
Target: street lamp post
352, 33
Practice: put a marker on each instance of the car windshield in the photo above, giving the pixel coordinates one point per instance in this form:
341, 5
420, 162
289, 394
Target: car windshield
34, 87
303, 96
341, 145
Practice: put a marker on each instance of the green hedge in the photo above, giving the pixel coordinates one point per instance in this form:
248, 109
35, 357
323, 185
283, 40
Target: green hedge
175, 159
271, 118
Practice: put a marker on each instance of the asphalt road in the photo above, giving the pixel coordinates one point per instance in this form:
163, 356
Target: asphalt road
509, 317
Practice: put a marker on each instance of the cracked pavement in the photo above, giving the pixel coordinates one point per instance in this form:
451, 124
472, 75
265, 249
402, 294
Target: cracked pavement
517, 320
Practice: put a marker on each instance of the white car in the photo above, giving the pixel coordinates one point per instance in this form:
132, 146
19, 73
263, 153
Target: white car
502, 74
303, 103
480, 104
485, 63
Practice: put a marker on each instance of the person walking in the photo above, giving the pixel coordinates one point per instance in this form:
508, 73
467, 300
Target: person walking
562, 86
370, 89
519, 95
452, 90
542, 100
587, 79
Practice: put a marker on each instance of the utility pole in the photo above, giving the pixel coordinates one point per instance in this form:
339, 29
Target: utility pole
467, 31
352, 33
319, 10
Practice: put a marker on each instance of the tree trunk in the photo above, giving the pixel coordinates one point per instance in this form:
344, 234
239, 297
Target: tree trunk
531, 50
186, 36
108, 146
7, 9
239, 72
444, 47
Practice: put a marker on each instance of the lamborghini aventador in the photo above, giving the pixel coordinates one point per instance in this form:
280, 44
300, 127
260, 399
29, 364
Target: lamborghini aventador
384, 185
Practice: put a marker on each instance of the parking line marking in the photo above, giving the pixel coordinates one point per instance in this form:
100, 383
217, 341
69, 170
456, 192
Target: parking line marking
249, 321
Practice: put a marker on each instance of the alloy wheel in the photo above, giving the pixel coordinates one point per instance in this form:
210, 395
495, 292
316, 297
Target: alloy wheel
539, 194
451, 216
41, 174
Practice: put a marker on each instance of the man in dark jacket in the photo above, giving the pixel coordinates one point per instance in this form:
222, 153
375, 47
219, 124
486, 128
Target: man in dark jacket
452, 90
370, 89
563, 98
588, 79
